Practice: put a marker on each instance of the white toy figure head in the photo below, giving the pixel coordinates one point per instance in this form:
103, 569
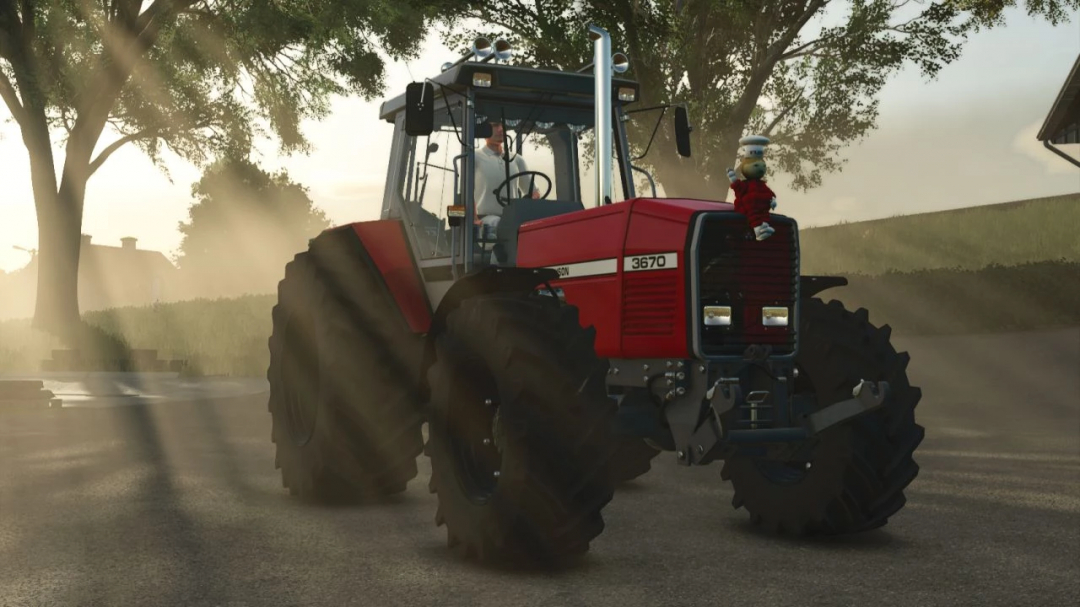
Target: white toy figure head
750, 159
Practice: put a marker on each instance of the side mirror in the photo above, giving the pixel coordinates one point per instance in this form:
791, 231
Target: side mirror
682, 131
419, 109
483, 130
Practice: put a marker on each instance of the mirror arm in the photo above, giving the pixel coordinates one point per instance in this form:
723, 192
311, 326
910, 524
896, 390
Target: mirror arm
648, 176
653, 136
655, 107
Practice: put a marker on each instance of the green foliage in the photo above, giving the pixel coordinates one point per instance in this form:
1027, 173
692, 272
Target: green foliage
748, 67
245, 225
990, 13
970, 239
200, 76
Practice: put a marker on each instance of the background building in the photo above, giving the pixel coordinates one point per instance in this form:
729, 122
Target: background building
1062, 124
109, 277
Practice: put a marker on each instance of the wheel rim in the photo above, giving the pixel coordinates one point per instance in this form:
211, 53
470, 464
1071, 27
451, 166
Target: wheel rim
473, 416
300, 378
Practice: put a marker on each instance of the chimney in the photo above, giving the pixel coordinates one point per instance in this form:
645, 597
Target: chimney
85, 240
128, 242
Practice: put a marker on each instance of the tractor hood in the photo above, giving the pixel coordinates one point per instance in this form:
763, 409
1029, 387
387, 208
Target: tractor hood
624, 266
640, 225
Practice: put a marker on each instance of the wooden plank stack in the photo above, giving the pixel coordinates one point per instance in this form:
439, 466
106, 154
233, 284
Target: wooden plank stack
26, 394
139, 361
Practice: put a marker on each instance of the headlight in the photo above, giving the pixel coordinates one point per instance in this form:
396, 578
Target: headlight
717, 316
481, 79
627, 93
774, 317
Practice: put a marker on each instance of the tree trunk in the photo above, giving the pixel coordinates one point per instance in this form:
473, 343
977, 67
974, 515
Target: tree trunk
56, 307
59, 242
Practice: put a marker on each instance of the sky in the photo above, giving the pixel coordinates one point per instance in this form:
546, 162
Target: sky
964, 139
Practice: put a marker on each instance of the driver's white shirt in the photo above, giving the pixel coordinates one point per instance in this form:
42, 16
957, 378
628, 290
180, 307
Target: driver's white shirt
490, 172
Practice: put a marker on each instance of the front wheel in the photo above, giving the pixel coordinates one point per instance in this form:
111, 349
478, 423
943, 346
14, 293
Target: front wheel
519, 430
857, 473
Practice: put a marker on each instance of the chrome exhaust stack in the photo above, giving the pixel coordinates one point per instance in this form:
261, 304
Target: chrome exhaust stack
602, 141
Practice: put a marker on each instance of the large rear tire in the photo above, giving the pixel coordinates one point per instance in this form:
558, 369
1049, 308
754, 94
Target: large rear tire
343, 377
858, 470
519, 430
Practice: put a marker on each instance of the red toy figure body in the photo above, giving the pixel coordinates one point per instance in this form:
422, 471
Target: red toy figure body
752, 197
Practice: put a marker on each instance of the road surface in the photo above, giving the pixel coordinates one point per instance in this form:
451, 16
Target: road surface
173, 503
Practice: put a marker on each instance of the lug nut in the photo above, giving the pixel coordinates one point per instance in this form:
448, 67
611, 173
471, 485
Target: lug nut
679, 365
681, 455
668, 364
680, 390
680, 375
645, 367
487, 441
795, 372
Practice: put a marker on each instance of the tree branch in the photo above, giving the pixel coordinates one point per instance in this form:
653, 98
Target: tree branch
150, 133
802, 49
776, 49
96, 163
776, 120
11, 98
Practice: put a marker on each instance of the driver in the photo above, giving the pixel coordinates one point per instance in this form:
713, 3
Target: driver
491, 171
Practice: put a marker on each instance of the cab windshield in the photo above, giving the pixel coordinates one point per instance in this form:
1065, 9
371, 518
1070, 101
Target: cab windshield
553, 143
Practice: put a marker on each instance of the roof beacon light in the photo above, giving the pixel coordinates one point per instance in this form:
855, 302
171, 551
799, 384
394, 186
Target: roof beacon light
481, 49
620, 63
503, 51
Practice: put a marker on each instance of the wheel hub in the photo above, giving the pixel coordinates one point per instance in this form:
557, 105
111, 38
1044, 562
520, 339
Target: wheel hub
475, 439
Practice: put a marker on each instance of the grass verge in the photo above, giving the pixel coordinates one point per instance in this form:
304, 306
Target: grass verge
1009, 234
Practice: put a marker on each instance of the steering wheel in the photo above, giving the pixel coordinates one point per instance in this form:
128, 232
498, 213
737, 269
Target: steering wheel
506, 184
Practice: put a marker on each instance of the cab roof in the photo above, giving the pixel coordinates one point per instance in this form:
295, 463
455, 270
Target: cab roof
517, 84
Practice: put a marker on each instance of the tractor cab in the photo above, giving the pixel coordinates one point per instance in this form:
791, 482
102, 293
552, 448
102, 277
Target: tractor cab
485, 147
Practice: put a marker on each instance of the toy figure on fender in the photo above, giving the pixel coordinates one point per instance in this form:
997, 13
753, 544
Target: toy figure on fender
752, 197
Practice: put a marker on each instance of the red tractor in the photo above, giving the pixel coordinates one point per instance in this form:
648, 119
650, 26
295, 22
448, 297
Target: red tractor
555, 340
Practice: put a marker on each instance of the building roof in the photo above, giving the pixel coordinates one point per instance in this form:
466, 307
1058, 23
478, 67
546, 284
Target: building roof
1061, 124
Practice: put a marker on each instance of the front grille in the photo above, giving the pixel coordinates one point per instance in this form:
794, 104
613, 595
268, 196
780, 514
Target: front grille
736, 270
650, 301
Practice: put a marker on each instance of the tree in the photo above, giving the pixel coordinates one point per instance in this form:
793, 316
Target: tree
750, 67
245, 225
195, 76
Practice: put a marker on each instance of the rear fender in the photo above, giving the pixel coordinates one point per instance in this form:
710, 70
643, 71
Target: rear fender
484, 282
384, 245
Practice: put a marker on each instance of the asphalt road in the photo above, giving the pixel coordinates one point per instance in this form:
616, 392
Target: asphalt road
179, 504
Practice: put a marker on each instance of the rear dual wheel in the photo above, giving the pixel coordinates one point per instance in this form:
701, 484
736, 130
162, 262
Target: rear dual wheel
519, 430
343, 385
